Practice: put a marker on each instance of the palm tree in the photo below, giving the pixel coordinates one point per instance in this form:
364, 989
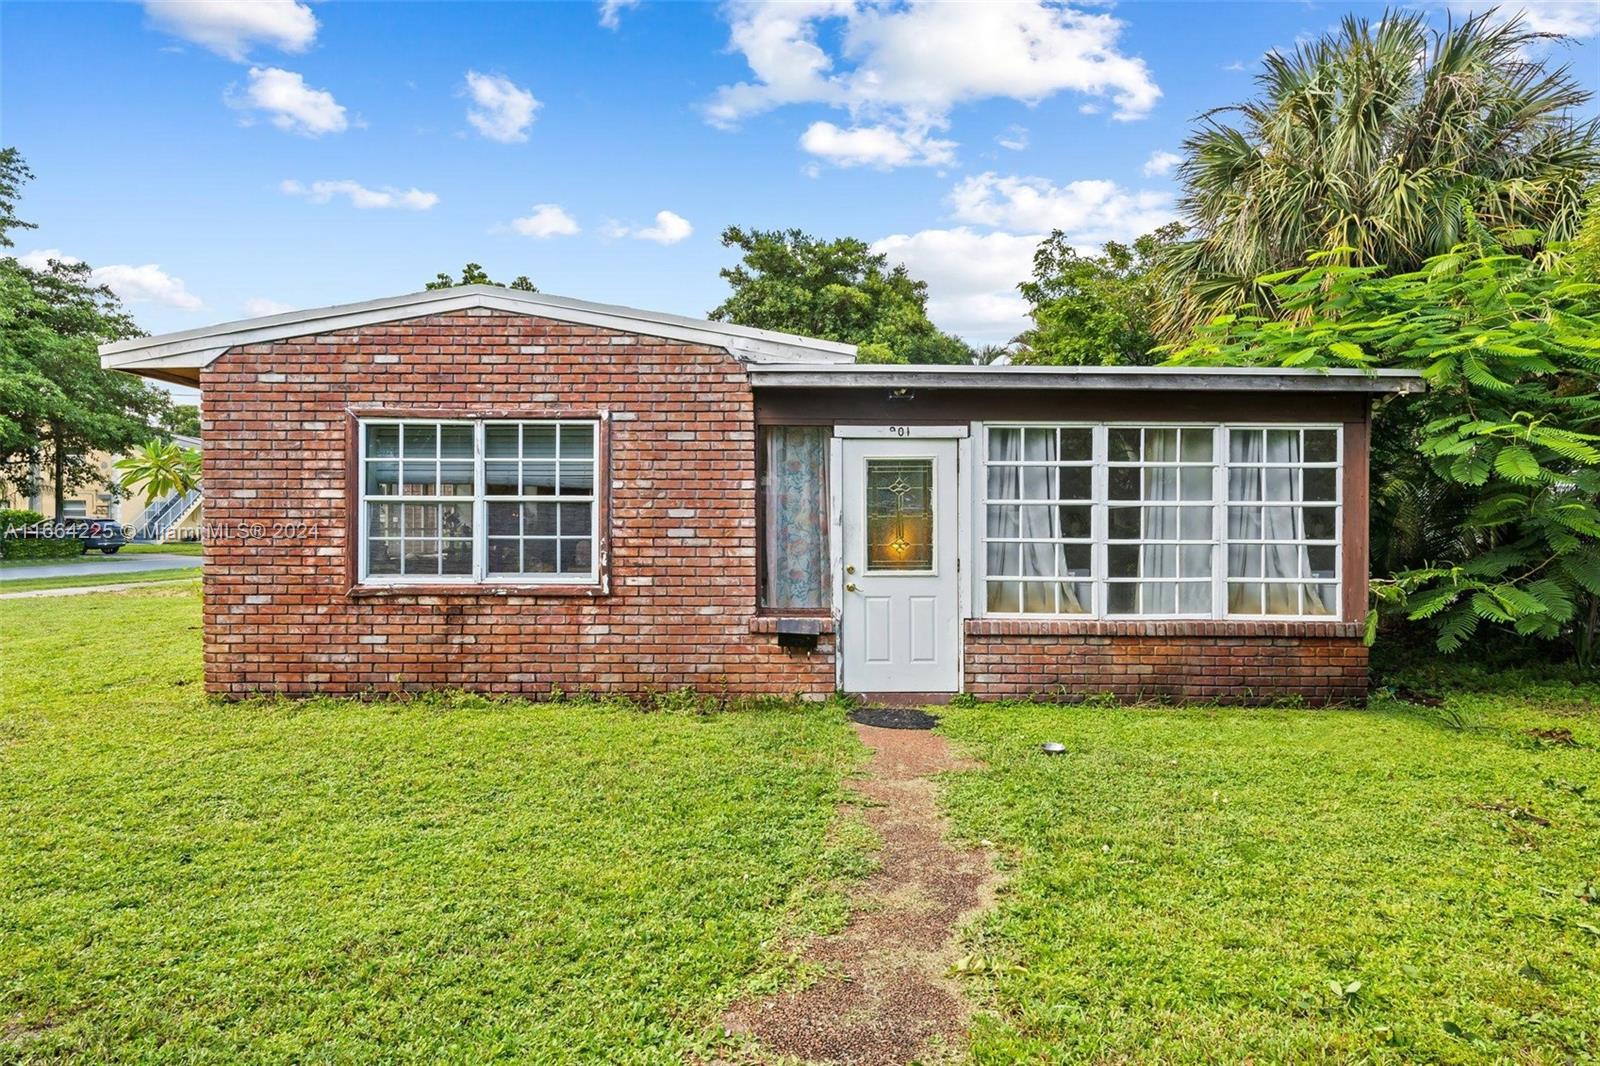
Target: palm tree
1375, 143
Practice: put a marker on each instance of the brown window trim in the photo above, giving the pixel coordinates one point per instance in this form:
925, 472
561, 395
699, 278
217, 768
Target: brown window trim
762, 610
602, 417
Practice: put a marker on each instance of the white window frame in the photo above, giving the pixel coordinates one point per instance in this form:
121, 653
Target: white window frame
1100, 520
480, 505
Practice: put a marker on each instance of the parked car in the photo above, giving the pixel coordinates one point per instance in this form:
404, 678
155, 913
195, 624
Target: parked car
102, 533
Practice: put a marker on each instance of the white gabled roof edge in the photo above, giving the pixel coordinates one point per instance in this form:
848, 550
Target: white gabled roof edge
193, 348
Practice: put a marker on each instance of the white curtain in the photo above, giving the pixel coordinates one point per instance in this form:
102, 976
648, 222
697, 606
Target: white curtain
1040, 521
1282, 523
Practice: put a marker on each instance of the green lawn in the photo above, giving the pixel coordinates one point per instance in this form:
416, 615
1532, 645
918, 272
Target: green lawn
1187, 885
462, 880
330, 881
182, 547
74, 581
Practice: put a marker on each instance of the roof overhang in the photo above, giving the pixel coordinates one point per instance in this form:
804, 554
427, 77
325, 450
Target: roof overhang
179, 356
1166, 378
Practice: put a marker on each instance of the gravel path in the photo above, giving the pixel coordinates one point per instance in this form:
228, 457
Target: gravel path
886, 998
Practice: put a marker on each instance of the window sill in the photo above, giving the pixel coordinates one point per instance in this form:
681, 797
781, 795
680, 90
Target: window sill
475, 590
1221, 628
767, 624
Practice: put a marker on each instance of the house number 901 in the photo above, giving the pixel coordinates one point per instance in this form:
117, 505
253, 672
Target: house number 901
900, 431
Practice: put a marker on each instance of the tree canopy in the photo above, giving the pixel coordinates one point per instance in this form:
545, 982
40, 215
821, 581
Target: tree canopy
57, 406
1380, 140
474, 274
837, 290
1093, 309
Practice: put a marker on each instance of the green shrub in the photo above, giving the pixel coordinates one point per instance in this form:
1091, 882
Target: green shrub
40, 547
14, 517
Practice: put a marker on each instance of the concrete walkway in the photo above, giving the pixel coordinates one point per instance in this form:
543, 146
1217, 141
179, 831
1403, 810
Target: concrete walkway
96, 563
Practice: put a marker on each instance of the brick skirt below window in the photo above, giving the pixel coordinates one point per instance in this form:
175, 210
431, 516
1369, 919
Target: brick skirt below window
1321, 663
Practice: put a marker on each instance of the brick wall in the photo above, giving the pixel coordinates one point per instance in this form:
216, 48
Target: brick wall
1236, 662
279, 616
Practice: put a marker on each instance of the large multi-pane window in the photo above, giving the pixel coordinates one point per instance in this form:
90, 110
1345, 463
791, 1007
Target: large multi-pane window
1186, 521
1160, 533
446, 500
1283, 521
1039, 520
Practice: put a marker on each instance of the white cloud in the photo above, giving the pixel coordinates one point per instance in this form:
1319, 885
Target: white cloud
1089, 212
321, 192
258, 306
502, 110
611, 12
146, 284
292, 104
135, 284
230, 27
39, 259
547, 220
876, 146
972, 278
1014, 138
908, 65
1570, 18
670, 228
1161, 163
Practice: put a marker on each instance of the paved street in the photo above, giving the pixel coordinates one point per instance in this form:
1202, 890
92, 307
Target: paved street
99, 564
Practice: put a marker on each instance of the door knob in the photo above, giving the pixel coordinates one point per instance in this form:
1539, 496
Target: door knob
851, 587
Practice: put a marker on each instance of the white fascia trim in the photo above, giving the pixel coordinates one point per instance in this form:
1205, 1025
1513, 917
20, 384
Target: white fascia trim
881, 375
199, 347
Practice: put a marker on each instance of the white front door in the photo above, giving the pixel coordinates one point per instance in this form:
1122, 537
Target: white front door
899, 624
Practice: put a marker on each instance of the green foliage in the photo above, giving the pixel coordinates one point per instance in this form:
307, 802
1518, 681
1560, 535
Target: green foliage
183, 419
1094, 309
1163, 906
57, 406
160, 468
16, 548
17, 517
474, 274
13, 547
836, 290
1379, 140
1505, 442
448, 878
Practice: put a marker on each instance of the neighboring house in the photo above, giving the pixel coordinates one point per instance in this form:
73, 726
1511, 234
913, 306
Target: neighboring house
512, 492
171, 518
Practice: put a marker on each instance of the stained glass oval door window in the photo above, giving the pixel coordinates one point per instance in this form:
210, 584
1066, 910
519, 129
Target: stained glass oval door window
899, 515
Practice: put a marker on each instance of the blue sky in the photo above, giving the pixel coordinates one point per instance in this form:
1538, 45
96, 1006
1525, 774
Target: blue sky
218, 159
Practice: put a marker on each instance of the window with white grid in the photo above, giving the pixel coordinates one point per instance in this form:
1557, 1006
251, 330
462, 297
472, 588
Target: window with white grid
1283, 522
1039, 507
1160, 521
459, 500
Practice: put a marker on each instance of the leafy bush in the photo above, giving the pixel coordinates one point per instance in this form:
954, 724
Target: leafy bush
40, 547
17, 517
1500, 453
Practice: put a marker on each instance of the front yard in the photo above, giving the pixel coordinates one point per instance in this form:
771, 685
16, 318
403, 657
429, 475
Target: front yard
463, 880
331, 881
1191, 884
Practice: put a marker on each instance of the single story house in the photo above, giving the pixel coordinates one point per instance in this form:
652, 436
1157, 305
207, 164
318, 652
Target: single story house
511, 492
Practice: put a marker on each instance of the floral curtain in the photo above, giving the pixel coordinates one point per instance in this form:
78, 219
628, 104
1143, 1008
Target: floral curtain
794, 488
